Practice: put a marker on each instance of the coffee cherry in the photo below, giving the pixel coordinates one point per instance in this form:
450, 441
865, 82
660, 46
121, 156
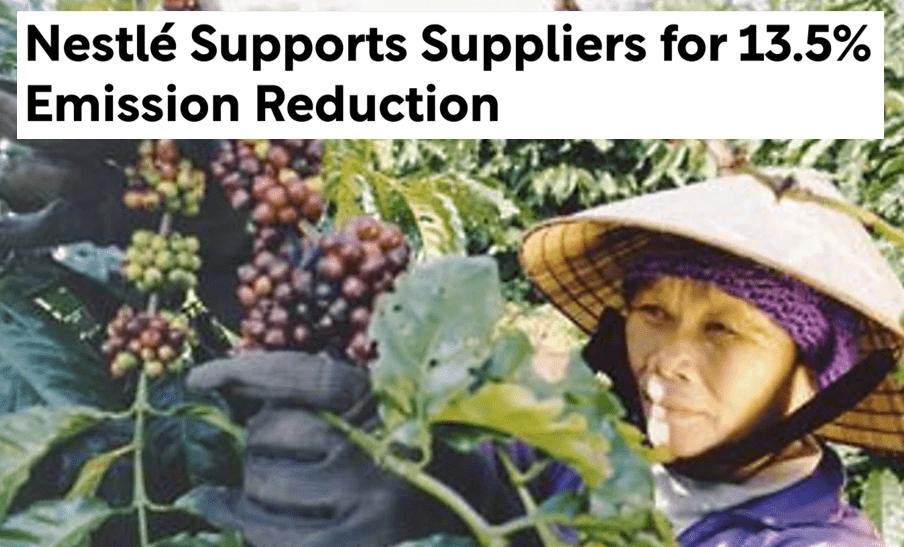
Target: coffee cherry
247, 295
330, 268
153, 368
283, 293
264, 214
166, 353
247, 273
134, 346
351, 252
297, 190
277, 196
287, 215
390, 238
263, 286
354, 289
313, 208
300, 335
275, 338
278, 317
359, 317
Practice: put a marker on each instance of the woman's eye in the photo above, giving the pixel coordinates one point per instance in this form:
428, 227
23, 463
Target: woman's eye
717, 327
653, 312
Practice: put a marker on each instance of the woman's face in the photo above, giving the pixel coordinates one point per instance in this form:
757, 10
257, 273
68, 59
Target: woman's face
710, 366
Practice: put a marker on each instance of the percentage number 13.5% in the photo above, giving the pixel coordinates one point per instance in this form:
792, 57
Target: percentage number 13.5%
817, 38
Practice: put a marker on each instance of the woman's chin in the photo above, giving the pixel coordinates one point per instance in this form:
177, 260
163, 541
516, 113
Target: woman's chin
683, 437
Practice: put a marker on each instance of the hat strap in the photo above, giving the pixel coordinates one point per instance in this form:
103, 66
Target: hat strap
607, 352
825, 406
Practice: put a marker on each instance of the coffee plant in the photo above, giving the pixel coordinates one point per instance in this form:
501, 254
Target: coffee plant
90, 443
101, 445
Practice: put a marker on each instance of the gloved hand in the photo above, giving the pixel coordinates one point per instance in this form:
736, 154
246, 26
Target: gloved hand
305, 484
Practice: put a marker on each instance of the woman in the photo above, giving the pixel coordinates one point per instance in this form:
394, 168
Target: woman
733, 324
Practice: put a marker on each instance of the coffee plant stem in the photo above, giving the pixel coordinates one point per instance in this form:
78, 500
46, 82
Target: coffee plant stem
527, 521
729, 158
482, 532
158, 508
547, 536
793, 191
868, 218
141, 408
140, 499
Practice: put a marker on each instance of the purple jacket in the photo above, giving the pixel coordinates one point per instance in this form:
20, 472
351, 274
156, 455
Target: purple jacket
809, 513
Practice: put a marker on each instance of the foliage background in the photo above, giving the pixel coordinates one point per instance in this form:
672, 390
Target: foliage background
452, 198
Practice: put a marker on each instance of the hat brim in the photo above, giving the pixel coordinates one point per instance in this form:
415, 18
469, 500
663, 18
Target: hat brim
578, 263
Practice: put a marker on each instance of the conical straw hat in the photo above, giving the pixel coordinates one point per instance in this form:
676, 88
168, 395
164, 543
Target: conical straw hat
578, 261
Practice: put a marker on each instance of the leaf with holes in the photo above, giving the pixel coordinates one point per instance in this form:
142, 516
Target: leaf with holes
883, 502
513, 411
432, 332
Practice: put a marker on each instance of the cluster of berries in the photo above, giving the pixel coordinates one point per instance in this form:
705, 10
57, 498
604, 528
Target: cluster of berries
268, 178
154, 262
324, 298
162, 179
181, 5
159, 342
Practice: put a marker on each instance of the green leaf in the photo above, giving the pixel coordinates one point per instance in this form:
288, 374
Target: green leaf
883, 502
630, 484
635, 529
491, 192
226, 539
93, 472
512, 354
217, 418
97, 263
437, 219
27, 435
193, 501
514, 411
432, 332
55, 523
894, 101
560, 181
893, 167
195, 444
569, 502
42, 362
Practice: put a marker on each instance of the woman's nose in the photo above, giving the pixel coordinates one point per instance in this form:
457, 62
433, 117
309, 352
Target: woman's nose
678, 359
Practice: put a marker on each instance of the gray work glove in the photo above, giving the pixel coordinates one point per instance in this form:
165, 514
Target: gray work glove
305, 484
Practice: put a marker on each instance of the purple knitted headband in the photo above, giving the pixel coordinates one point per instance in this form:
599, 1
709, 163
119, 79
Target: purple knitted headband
825, 332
